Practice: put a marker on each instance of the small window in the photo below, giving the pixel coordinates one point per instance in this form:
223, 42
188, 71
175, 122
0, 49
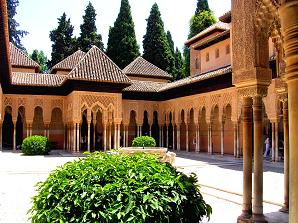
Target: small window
207, 57
228, 49
197, 63
216, 53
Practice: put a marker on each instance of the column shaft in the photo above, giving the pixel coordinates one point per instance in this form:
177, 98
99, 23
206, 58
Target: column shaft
167, 136
258, 160
276, 141
78, 137
247, 158
173, 137
1, 136
186, 138
235, 140
222, 139
273, 142
14, 141
74, 138
104, 137
94, 136
89, 136
178, 137
286, 156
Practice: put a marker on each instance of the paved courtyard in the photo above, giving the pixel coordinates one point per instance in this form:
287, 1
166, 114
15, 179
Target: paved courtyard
220, 179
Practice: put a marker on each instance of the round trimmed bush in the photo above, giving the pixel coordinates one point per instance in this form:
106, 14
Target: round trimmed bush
36, 145
111, 188
144, 141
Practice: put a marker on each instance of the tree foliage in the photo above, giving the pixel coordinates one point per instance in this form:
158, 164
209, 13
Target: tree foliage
15, 34
89, 36
122, 45
202, 5
200, 22
155, 43
63, 42
179, 65
41, 59
202, 19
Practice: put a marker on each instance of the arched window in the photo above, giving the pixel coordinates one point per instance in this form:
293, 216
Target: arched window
207, 57
228, 49
197, 63
216, 53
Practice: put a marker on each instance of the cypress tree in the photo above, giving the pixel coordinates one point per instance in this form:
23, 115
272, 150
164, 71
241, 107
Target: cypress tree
155, 43
122, 45
202, 5
62, 40
179, 65
172, 48
89, 36
15, 34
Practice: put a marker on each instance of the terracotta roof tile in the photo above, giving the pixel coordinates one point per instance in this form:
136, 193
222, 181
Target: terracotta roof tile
148, 86
219, 25
141, 67
36, 79
197, 78
144, 86
211, 39
69, 62
96, 66
19, 58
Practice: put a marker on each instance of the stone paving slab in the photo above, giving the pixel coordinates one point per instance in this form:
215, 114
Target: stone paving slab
19, 174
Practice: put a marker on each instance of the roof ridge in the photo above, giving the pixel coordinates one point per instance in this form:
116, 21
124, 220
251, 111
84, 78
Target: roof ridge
106, 69
22, 53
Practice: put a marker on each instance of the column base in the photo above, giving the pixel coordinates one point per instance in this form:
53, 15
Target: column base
258, 218
284, 209
244, 217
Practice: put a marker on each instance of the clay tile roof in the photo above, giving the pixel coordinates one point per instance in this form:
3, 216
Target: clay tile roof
212, 39
96, 66
36, 79
69, 62
219, 25
197, 78
226, 17
141, 67
19, 58
145, 86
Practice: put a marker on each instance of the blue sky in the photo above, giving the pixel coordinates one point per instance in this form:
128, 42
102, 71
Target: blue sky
38, 17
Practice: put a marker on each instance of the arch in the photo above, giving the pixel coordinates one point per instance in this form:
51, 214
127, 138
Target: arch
216, 129
7, 129
155, 127
228, 130
192, 131
203, 130
20, 126
38, 124
182, 130
56, 135
132, 127
145, 126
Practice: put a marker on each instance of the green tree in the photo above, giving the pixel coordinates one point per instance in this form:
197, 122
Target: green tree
41, 59
179, 65
122, 45
155, 43
63, 42
200, 22
202, 5
172, 48
89, 36
202, 19
15, 34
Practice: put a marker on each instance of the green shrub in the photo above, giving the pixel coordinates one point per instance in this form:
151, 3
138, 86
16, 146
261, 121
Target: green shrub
111, 188
36, 145
144, 141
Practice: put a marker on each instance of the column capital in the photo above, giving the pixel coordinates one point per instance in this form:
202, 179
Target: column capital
253, 91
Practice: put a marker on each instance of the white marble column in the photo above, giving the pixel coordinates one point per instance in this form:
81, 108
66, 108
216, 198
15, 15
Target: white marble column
14, 141
74, 138
178, 137
110, 136
89, 136
273, 142
118, 136
276, 141
186, 138
174, 137
222, 141
104, 137
78, 130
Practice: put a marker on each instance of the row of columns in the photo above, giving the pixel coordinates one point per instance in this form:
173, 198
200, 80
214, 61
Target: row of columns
253, 208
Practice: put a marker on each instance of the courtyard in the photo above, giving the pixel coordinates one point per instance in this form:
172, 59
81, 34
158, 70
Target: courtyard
220, 178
